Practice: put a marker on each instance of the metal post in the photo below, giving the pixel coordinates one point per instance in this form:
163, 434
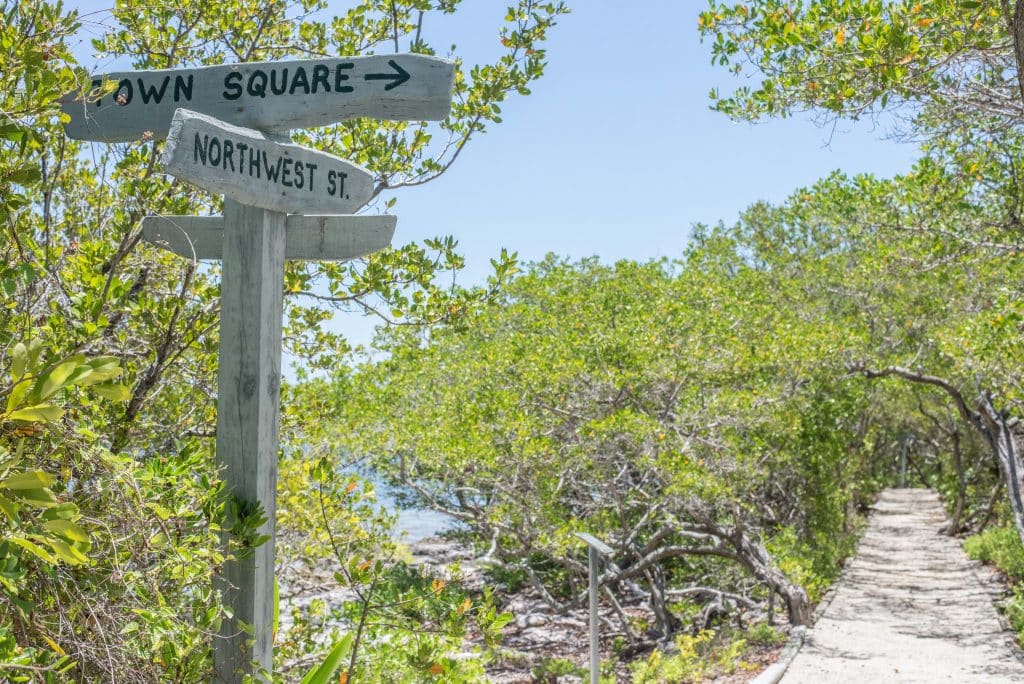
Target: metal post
903, 464
595, 656
595, 548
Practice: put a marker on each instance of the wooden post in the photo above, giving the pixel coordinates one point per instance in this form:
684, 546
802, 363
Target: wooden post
248, 398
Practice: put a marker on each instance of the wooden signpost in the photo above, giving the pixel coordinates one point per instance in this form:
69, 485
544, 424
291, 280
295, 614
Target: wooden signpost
253, 169
266, 95
208, 117
306, 238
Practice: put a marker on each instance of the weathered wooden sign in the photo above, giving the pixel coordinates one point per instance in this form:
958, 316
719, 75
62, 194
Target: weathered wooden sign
255, 170
266, 95
262, 179
307, 238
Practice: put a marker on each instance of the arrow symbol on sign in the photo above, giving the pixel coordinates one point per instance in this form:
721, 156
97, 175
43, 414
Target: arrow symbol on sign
397, 79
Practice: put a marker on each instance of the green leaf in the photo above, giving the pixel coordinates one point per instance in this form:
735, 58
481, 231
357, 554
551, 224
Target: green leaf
42, 498
66, 552
33, 479
35, 550
67, 529
276, 620
24, 175
65, 511
19, 361
43, 413
54, 378
17, 394
103, 368
9, 508
324, 673
113, 392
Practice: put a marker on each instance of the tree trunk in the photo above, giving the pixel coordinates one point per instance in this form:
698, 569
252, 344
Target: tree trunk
997, 429
1005, 445
757, 559
961, 484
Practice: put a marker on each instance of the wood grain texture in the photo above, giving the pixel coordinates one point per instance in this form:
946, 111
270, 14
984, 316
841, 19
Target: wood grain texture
307, 238
253, 169
266, 95
248, 399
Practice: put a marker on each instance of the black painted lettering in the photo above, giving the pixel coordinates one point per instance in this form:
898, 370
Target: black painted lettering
340, 77
232, 86
242, 147
299, 81
274, 88
331, 184
183, 87
124, 93
299, 176
273, 172
312, 168
254, 163
214, 145
287, 172
257, 85
320, 74
229, 156
151, 93
341, 183
199, 150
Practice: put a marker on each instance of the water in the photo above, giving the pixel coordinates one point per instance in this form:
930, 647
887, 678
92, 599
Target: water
412, 524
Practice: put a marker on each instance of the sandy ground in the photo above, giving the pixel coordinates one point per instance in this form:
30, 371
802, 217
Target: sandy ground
910, 607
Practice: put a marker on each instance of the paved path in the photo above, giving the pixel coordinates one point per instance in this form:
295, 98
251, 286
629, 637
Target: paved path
910, 608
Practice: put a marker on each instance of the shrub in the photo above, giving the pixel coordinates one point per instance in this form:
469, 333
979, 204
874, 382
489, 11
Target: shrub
1001, 547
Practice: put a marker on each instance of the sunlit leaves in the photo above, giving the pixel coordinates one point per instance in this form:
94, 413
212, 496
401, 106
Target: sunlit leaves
852, 58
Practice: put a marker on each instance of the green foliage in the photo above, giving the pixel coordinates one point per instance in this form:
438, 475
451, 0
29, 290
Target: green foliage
324, 672
763, 634
550, 669
1000, 546
110, 507
855, 57
1013, 608
404, 622
696, 657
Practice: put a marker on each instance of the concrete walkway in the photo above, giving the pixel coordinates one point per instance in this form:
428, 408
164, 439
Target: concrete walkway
910, 608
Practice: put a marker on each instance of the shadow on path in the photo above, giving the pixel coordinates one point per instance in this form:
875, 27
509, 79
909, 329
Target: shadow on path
910, 607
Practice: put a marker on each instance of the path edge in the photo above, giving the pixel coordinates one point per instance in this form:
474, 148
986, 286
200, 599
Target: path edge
773, 673
990, 576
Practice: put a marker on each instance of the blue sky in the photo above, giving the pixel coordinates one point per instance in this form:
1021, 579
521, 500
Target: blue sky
616, 152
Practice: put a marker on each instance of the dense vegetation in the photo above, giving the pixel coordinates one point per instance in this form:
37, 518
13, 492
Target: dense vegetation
109, 498
719, 419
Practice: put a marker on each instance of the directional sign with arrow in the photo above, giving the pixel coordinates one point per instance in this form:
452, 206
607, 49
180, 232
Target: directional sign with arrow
397, 78
265, 95
257, 171
212, 119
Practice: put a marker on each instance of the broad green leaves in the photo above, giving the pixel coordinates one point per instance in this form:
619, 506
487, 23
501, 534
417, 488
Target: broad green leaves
324, 672
35, 385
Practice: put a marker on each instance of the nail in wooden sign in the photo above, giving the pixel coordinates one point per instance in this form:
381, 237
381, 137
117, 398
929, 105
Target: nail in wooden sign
266, 95
254, 170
